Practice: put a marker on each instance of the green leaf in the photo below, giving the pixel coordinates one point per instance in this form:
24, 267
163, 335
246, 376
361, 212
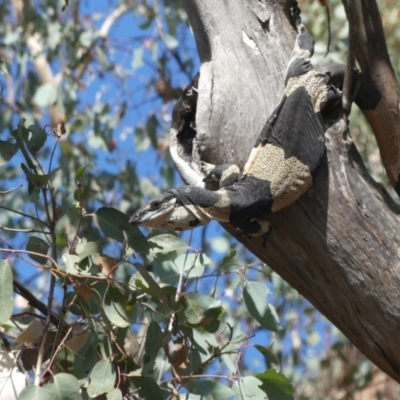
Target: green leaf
69, 205
117, 309
193, 263
154, 288
113, 223
153, 342
167, 243
37, 139
227, 259
194, 312
3, 66
34, 393
270, 358
71, 263
21, 136
6, 291
205, 342
102, 59
210, 390
137, 59
206, 302
65, 387
102, 378
276, 385
45, 95
78, 194
151, 129
115, 394
247, 388
87, 37
37, 245
148, 388
7, 151
86, 358
84, 248
169, 41
200, 308
80, 171
254, 294
38, 180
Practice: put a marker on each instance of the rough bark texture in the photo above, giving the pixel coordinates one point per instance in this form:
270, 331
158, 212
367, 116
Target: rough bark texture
368, 43
339, 244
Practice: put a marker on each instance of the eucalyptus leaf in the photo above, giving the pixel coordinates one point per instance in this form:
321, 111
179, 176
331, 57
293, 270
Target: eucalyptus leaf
34, 393
255, 298
37, 138
114, 223
137, 59
37, 245
80, 171
270, 358
111, 222
64, 387
209, 389
153, 342
86, 358
169, 41
6, 291
117, 309
167, 243
37, 179
7, 151
45, 95
248, 388
102, 378
276, 385
148, 388
154, 288
193, 264
114, 394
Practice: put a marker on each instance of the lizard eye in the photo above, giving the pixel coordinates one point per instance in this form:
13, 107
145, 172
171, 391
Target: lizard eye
155, 205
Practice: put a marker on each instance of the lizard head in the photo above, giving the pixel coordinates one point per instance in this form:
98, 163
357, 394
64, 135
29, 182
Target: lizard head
166, 212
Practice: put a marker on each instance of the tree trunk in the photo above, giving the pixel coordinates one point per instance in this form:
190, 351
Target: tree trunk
339, 244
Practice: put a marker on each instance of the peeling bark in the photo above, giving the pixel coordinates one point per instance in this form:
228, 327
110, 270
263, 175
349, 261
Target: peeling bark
339, 244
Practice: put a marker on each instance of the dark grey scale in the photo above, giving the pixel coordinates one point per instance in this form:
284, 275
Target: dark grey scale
250, 199
287, 153
305, 41
298, 66
298, 130
367, 96
300, 63
196, 196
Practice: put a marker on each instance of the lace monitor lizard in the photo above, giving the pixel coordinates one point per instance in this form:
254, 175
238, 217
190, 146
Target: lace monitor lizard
280, 168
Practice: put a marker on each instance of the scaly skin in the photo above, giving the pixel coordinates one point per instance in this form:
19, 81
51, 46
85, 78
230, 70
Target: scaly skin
279, 170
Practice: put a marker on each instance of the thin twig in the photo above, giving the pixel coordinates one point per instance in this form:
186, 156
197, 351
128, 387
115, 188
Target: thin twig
57, 348
11, 190
34, 301
347, 97
33, 253
25, 215
39, 360
4, 228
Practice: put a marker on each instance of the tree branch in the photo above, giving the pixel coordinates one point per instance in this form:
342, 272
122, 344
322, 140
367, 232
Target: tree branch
338, 245
373, 57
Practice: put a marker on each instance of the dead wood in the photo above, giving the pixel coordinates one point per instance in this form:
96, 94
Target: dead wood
339, 244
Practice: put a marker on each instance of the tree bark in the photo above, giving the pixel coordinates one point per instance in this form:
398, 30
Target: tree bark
339, 244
